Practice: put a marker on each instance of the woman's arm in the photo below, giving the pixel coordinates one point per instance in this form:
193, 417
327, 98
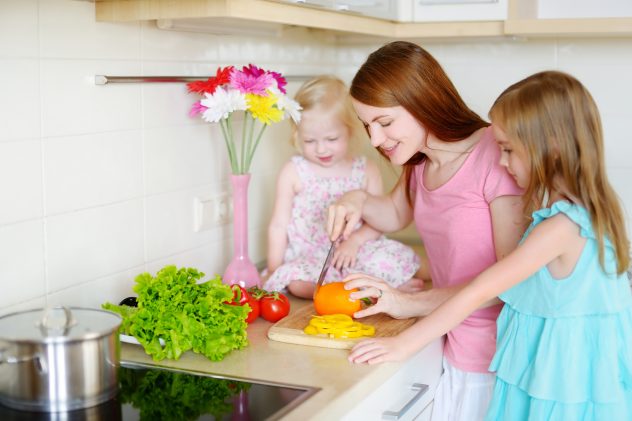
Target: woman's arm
508, 227
547, 242
287, 182
386, 213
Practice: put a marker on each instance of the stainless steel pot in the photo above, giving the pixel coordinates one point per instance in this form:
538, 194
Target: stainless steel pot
60, 359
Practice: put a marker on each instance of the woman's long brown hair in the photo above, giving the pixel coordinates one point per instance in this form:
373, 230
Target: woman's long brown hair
554, 117
404, 74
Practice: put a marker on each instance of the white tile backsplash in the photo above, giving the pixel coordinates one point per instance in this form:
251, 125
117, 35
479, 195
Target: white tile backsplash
20, 116
184, 156
97, 182
22, 272
92, 170
169, 223
19, 29
73, 104
89, 244
68, 30
20, 181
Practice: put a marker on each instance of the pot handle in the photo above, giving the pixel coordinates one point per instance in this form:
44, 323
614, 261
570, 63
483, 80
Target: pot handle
57, 330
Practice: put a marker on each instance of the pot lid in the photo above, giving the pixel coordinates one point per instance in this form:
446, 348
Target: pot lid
58, 324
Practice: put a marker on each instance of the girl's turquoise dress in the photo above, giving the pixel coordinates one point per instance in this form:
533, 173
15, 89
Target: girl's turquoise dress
564, 347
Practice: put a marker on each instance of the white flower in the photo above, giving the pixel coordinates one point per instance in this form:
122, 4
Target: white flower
221, 103
291, 107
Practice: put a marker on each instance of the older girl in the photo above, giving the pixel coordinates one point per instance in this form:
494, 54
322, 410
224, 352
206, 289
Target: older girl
565, 331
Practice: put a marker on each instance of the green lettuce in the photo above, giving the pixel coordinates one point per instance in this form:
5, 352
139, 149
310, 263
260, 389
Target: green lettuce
185, 314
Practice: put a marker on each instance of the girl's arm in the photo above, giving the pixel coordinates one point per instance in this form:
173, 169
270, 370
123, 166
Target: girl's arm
287, 183
386, 213
549, 241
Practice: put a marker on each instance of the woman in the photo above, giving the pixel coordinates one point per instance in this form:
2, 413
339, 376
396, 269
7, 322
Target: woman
466, 207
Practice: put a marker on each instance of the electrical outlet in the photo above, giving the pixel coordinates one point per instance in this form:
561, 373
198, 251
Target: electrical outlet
211, 211
223, 209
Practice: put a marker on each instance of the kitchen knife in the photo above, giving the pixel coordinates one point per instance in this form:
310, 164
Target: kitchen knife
323, 272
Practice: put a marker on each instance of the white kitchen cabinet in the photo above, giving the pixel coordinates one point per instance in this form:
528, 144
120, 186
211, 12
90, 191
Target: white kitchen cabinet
408, 394
459, 10
395, 10
461, 19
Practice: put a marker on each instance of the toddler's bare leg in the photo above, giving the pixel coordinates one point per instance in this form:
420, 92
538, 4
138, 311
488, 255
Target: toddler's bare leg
302, 289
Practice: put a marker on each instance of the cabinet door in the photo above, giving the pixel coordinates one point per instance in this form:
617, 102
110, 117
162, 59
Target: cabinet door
396, 10
459, 10
408, 393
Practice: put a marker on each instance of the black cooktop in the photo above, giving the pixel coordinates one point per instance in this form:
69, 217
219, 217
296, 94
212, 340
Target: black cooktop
156, 393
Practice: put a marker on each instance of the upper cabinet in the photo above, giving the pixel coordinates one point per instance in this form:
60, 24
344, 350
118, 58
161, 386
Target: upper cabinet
385, 18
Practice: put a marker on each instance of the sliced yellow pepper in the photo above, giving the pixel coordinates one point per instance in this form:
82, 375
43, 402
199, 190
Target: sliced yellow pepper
338, 326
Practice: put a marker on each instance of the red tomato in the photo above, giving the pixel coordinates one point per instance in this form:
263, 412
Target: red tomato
274, 307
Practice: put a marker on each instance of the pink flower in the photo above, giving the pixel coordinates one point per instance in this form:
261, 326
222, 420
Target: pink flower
249, 84
280, 80
252, 70
197, 108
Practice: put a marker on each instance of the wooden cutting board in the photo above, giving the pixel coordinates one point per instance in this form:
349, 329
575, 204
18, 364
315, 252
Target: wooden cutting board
290, 329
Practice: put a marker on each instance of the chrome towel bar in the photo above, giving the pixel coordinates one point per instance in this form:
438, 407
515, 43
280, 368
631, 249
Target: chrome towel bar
104, 80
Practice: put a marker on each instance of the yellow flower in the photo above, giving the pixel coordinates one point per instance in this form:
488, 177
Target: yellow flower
263, 108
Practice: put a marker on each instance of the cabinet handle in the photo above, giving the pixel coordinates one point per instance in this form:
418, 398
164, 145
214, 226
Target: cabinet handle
421, 390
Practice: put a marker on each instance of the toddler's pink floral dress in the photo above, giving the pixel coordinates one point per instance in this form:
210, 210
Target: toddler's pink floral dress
308, 242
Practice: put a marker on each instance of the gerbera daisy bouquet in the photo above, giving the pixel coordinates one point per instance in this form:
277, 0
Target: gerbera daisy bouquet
259, 93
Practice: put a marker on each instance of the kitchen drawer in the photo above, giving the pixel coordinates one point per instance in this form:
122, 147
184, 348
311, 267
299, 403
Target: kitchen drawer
409, 391
426, 413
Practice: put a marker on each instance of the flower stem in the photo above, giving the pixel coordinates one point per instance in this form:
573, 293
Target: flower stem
228, 140
254, 148
243, 145
249, 150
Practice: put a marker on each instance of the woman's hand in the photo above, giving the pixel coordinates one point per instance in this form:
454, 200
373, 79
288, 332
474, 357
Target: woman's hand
387, 299
345, 254
344, 215
379, 350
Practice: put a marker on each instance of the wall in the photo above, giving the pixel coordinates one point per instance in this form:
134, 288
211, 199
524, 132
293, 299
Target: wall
97, 182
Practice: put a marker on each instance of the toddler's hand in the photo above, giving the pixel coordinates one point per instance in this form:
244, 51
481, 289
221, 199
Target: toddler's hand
345, 254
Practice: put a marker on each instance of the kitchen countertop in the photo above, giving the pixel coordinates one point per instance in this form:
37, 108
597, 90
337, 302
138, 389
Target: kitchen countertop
342, 384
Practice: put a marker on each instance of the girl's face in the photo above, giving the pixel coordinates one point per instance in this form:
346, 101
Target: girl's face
513, 157
393, 130
322, 137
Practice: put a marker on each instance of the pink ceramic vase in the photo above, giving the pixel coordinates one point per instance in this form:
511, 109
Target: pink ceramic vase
241, 270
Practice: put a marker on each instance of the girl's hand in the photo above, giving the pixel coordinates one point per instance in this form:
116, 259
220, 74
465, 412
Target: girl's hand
389, 300
345, 214
379, 350
345, 254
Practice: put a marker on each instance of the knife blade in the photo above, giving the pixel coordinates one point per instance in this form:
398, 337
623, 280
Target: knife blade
323, 272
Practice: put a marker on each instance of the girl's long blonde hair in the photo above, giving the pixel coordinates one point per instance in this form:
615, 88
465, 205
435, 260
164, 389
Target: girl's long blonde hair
329, 93
556, 120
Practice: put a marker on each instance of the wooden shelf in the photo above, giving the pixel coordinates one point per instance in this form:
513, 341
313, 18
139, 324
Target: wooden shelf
258, 12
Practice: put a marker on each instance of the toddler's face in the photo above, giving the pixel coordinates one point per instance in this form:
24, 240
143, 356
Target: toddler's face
393, 130
322, 137
513, 157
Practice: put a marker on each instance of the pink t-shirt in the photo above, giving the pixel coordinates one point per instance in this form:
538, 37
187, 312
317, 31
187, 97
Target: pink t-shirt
454, 222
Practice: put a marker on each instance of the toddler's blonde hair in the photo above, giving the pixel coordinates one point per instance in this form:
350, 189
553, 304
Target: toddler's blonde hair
554, 117
329, 93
